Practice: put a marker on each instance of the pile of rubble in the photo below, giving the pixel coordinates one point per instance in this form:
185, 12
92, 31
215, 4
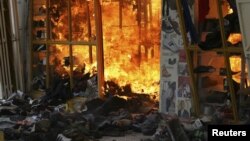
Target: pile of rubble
79, 119
82, 119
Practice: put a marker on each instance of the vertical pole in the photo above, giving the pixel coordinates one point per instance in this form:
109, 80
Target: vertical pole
20, 61
195, 97
15, 44
30, 53
150, 11
139, 12
145, 8
47, 45
2, 68
146, 45
89, 32
100, 59
6, 53
25, 41
196, 56
70, 45
120, 13
242, 81
227, 61
151, 26
139, 25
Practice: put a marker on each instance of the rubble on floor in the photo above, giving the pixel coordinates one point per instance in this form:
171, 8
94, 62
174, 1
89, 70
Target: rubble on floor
26, 119
80, 119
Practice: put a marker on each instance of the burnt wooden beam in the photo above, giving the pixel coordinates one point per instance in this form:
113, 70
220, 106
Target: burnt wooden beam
120, 13
89, 32
99, 37
70, 45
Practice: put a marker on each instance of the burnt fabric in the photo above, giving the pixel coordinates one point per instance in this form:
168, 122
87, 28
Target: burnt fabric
113, 103
177, 130
204, 69
216, 97
213, 40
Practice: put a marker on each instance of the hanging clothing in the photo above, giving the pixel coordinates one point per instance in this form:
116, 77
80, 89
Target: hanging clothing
188, 22
203, 10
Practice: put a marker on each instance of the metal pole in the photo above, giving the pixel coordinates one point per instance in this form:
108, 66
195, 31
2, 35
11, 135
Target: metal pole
139, 26
70, 45
145, 8
227, 61
30, 55
48, 79
16, 45
150, 12
100, 59
120, 13
146, 45
2, 68
25, 40
89, 33
6, 53
20, 61
243, 73
242, 82
139, 12
3, 40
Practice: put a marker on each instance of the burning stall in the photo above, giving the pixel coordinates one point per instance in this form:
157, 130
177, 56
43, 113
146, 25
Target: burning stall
67, 41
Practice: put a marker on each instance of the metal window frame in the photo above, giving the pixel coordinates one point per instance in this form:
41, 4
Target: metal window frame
98, 43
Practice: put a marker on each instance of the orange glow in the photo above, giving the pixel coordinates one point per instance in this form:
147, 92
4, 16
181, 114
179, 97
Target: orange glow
235, 63
131, 53
125, 61
234, 38
230, 11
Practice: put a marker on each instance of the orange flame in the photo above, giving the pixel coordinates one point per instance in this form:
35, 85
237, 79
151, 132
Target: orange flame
131, 54
235, 63
234, 38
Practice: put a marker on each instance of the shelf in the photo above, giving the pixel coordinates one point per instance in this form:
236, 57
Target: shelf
228, 49
194, 58
39, 17
39, 28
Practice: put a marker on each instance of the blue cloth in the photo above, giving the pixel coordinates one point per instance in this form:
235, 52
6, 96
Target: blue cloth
188, 22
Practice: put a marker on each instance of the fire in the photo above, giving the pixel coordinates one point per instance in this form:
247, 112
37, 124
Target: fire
234, 38
230, 11
126, 62
235, 63
131, 51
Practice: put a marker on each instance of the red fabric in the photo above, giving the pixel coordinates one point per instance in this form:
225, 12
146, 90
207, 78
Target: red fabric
203, 10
